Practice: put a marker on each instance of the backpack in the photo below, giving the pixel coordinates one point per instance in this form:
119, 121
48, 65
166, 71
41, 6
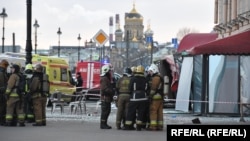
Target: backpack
44, 84
160, 88
21, 85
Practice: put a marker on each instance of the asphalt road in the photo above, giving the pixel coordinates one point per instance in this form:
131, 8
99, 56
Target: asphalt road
69, 126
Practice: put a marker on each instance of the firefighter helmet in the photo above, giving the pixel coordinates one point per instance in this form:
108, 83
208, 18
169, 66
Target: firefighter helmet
140, 69
16, 67
127, 71
105, 69
153, 68
39, 67
133, 69
28, 67
4, 63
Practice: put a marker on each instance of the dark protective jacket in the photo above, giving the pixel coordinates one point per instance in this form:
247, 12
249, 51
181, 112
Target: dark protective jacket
79, 82
139, 87
3, 80
107, 91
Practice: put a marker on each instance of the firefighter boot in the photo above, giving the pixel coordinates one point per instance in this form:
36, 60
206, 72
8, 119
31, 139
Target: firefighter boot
21, 124
128, 127
118, 126
7, 123
108, 125
104, 125
44, 123
37, 124
138, 127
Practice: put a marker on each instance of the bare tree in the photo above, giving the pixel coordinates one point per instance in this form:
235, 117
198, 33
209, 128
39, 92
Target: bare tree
184, 31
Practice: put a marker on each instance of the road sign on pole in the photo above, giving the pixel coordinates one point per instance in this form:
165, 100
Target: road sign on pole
101, 37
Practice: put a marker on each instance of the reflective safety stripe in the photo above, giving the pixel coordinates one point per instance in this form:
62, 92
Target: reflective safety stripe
160, 122
30, 116
157, 96
153, 122
13, 95
128, 122
138, 122
21, 116
38, 121
9, 117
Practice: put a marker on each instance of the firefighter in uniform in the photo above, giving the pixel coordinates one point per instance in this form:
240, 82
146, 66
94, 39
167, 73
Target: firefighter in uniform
138, 99
14, 100
107, 93
156, 99
3, 84
28, 106
147, 114
39, 99
122, 87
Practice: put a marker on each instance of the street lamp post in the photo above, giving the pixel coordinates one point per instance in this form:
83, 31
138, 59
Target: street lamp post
3, 15
36, 25
89, 45
79, 39
91, 42
59, 33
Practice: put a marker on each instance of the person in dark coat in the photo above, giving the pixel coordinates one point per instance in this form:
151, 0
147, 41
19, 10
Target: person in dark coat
79, 82
107, 93
3, 85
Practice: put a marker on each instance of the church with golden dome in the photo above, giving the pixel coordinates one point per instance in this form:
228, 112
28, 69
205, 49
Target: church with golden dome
129, 47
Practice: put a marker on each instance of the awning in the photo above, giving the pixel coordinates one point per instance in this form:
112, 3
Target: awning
195, 39
238, 44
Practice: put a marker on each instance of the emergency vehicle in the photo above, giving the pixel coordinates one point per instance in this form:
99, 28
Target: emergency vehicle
90, 73
57, 69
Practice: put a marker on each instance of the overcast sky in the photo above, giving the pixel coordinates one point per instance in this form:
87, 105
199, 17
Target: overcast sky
87, 17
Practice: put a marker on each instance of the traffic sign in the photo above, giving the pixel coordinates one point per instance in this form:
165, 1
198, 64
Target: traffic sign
101, 37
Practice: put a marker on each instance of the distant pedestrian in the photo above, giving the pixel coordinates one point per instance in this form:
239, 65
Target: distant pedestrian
79, 82
107, 93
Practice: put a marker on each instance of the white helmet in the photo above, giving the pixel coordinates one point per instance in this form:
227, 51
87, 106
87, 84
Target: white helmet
105, 69
153, 68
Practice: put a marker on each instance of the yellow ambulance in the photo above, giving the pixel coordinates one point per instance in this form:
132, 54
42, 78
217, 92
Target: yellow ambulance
57, 69
60, 76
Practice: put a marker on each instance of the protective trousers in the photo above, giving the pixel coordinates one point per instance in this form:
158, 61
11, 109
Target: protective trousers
28, 109
156, 115
14, 104
133, 108
39, 104
122, 106
2, 109
105, 111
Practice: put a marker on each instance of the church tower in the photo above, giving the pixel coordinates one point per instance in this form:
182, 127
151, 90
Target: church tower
118, 31
133, 28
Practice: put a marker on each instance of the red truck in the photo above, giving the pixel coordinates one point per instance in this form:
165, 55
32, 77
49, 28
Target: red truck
90, 72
